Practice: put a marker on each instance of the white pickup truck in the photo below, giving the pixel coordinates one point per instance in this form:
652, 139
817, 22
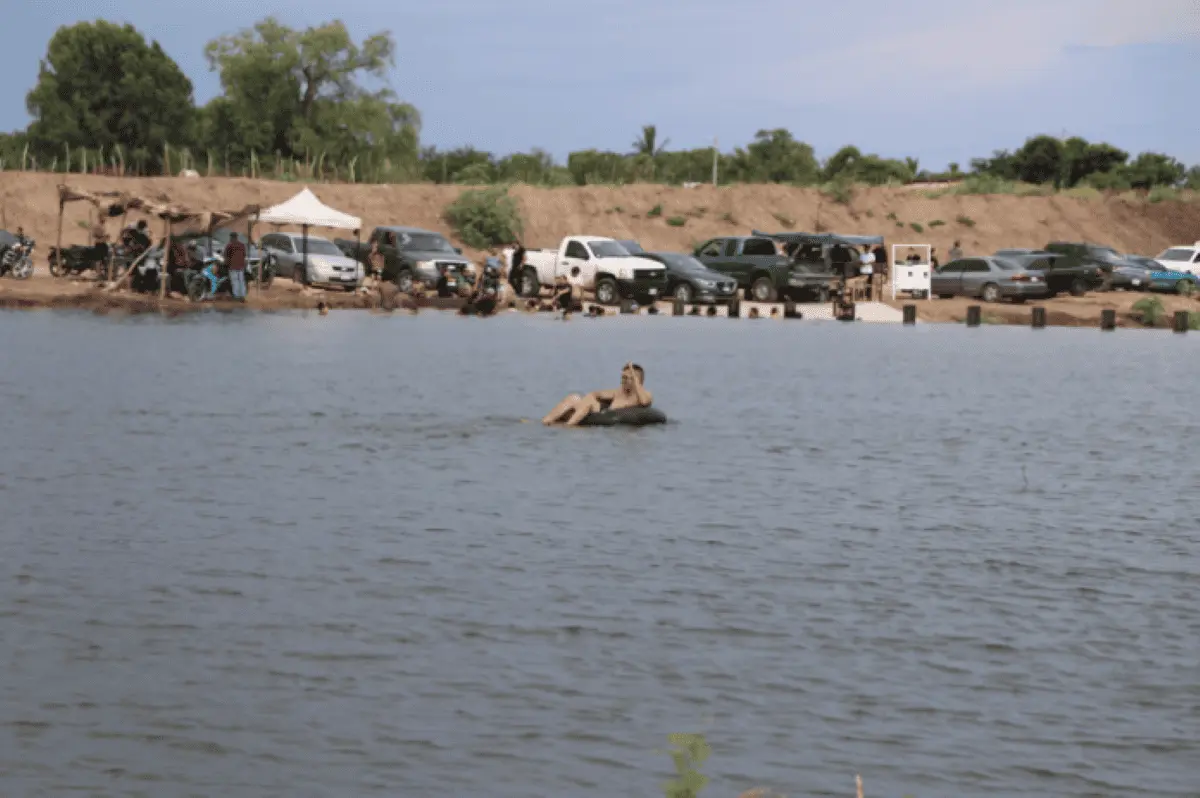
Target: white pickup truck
602, 265
1181, 258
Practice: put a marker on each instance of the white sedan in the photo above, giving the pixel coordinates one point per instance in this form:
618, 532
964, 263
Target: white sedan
326, 264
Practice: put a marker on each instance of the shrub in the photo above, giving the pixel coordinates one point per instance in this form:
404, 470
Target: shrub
900, 224
1083, 192
484, 217
1149, 311
618, 209
728, 218
891, 217
677, 221
917, 228
937, 223
840, 191
786, 221
653, 212
1160, 193
985, 184
870, 213
965, 221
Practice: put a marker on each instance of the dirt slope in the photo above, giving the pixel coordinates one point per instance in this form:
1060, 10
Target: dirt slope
1133, 226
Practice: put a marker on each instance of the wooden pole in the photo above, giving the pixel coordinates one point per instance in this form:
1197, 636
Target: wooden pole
249, 242
163, 276
125, 275
58, 246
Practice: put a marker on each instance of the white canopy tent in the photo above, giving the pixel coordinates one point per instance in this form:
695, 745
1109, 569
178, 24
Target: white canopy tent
304, 211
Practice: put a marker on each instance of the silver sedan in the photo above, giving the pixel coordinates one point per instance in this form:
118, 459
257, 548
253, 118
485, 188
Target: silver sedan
326, 264
991, 278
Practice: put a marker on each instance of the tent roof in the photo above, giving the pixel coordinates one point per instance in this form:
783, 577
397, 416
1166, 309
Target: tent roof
823, 238
117, 202
305, 209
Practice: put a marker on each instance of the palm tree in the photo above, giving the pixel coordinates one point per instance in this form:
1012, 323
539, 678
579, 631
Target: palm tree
648, 143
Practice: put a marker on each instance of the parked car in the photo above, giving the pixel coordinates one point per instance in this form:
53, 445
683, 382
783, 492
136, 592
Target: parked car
691, 281
419, 254
1060, 274
992, 278
819, 260
1181, 258
326, 264
764, 274
1092, 263
1156, 278
598, 264
199, 242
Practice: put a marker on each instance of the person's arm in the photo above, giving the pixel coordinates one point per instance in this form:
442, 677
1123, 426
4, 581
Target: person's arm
644, 397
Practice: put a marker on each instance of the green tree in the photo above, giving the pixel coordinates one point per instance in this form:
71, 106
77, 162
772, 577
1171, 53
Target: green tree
1192, 179
449, 166
1040, 160
648, 144
1152, 169
102, 85
301, 94
1002, 164
776, 157
1081, 159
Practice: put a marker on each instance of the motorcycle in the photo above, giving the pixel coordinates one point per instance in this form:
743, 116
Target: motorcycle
208, 282
17, 259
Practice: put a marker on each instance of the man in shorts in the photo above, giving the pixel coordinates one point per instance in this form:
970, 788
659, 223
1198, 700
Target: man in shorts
575, 408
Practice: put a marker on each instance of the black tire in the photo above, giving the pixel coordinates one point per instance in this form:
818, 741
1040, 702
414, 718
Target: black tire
1185, 287
683, 292
1079, 287
404, 281
607, 292
991, 293
528, 285
763, 290
197, 287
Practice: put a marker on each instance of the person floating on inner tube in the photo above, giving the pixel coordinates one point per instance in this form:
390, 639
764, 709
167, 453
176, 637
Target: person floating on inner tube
575, 408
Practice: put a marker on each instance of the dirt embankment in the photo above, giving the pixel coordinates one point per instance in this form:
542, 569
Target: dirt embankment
660, 217
30, 199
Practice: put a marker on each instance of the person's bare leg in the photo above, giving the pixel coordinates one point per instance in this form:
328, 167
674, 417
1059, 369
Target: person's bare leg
584, 408
560, 410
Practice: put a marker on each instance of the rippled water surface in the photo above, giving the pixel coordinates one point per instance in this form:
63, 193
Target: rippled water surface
258, 555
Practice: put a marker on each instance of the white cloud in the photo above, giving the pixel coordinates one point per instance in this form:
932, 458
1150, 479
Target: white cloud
940, 48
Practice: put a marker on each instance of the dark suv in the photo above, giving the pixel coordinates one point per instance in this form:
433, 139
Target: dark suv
1094, 263
1062, 274
755, 263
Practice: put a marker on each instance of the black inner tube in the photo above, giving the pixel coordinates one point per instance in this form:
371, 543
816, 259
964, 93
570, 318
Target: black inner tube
626, 416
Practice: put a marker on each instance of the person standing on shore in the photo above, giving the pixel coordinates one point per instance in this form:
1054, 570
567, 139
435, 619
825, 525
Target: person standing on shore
514, 261
866, 269
235, 262
956, 251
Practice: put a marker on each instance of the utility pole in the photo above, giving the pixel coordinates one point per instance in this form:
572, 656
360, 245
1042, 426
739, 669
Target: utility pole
715, 156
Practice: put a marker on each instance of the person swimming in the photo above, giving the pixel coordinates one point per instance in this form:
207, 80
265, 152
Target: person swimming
575, 408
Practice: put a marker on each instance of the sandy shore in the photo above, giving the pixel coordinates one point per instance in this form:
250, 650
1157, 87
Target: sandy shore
46, 292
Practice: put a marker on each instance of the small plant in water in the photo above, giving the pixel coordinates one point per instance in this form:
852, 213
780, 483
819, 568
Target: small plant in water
688, 752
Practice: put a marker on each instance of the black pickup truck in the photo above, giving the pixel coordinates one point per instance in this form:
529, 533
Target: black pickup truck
810, 270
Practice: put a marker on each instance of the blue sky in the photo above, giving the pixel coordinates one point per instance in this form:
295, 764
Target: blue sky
941, 80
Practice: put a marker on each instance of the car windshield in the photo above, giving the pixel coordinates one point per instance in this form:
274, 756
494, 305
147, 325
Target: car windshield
427, 242
1182, 254
632, 247
683, 263
608, 249
317, 246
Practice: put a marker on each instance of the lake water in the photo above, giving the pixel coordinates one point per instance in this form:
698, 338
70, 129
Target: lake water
285, 555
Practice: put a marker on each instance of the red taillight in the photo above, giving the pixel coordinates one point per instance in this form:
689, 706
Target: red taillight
1025, 278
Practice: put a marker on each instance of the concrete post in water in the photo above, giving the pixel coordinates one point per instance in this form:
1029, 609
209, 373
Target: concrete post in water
677, 307
735, 307
789, 309
1182, 321
1108, 319
627, 306
910, 314
1039, 318
973, 316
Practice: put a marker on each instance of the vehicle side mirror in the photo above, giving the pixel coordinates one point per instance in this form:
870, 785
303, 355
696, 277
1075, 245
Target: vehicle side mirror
458, 250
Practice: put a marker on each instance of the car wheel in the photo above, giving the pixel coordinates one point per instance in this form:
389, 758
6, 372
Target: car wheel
404, 281
606, 291
1079, 287
763, 290
683, 292
1185, 287
530, 286
991, 293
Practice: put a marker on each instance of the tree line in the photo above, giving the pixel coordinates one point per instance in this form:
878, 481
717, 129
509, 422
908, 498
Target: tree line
314, 104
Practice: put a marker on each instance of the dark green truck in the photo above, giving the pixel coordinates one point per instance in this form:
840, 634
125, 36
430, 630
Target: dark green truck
810, 271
